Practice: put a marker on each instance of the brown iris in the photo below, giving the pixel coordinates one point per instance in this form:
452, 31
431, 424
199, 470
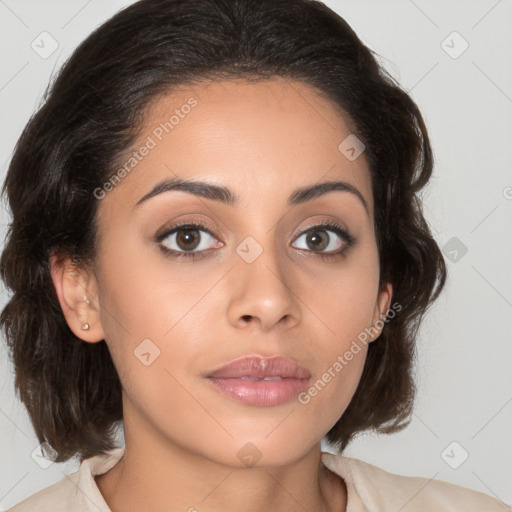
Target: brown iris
188, 239
318, 240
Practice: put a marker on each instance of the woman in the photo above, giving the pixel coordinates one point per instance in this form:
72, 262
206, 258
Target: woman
217, 241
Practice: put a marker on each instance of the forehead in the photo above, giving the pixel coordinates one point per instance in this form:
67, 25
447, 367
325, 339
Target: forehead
261, 139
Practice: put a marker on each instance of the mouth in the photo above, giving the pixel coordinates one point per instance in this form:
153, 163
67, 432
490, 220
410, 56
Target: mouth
257, 367
262, 378
260, 381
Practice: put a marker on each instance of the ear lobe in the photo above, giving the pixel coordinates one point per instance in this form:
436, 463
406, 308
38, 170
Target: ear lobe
381, 309
76, 291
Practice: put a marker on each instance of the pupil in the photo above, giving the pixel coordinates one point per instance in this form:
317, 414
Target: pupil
187, 237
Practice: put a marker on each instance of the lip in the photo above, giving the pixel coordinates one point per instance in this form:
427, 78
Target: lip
242, 380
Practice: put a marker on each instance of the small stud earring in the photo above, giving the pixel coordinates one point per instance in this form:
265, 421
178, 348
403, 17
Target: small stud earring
84, 327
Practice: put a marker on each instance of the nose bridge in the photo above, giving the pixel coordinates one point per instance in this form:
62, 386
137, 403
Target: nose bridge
262, 288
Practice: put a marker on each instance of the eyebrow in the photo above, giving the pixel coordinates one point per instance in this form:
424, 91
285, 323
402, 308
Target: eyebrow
227, 196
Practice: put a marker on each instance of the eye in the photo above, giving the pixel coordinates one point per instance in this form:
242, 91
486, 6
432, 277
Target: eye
327, 239
193, 240
187, 240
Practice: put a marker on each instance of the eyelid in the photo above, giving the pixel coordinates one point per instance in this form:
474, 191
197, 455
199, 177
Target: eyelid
329, 225
168, 230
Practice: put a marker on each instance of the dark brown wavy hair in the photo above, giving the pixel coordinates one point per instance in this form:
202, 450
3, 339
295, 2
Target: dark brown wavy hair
91, 114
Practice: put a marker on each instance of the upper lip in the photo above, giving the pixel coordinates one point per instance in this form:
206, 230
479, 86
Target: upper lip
257, 366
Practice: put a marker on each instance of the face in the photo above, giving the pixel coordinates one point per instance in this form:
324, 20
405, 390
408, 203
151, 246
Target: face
269, 272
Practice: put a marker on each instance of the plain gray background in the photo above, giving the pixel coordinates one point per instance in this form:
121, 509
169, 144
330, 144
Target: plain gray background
464, 403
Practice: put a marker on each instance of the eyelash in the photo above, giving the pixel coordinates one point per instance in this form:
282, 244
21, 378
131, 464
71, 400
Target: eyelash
347, 238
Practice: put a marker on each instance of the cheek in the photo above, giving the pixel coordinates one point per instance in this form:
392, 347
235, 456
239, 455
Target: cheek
147, 318
134, 288
343, 303
343, 296
150, 305
333, 387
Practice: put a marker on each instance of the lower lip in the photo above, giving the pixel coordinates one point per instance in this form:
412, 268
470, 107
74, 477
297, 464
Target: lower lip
262, 393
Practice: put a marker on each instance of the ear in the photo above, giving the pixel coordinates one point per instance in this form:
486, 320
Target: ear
77, 292
381, 309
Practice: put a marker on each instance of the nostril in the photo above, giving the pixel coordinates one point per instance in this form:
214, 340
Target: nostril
246, 318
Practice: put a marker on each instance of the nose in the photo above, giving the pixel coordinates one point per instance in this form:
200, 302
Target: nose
262, 294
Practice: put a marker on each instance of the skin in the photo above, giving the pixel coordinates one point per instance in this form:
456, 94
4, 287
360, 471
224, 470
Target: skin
262, 140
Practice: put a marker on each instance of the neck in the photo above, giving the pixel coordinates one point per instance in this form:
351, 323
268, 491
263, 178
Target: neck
162, 476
